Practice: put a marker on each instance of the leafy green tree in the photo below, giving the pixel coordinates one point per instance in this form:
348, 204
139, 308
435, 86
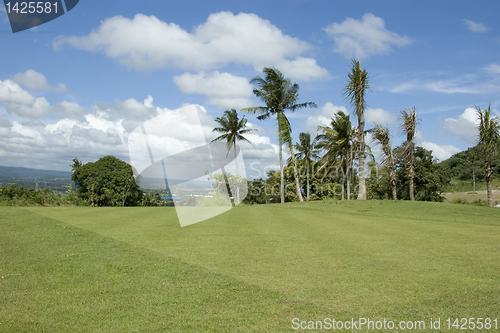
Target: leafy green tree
107, 182
307, 151
355, 91
427, 177
489, 136
408, 125
279, 94
232, 129
256, 192
381, 134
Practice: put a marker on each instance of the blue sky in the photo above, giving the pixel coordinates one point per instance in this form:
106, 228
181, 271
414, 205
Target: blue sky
78, 85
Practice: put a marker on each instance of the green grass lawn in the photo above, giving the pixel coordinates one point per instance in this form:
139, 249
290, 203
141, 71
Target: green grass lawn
253, 268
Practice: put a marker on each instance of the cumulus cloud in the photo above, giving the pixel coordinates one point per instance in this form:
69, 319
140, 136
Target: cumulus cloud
323, 117
464, 126
302, 68
131, 113
440, 152
223, 89
4, 126
379, 116
71, 109
11, 92
147, 43
37, 81
475, 26
22, 103
148, 102
364, 38
39, 108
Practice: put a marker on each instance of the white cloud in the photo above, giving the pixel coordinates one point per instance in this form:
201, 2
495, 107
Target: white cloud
70, 109
4, 126
39, 108
441, 152
451, 86
419, 137
22, 103
379, 116
146, 43
11, 92
364, 38
475, 26
493, 69
148, 102
34, 80
464, 126
130, 112
323, 117
223, 89
302, 68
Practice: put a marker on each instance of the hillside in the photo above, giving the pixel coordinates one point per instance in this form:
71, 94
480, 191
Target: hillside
27, 177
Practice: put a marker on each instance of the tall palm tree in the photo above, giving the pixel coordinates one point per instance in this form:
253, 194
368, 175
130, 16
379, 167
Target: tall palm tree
279, 94
232, 129
306, 151
489, 135
407, 126
355, 91
338, 140
381, 134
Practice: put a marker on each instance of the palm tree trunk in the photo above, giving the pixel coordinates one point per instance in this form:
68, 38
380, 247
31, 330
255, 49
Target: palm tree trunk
488, 175
307, 176
411, 175
343, 184
394, 184
348, 176
362, 180
295, 173
237, 185
235, 158
282, 177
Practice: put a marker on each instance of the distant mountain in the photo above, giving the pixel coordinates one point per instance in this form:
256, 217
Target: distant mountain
27, 177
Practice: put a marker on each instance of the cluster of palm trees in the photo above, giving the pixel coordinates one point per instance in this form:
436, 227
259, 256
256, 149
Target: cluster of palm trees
340, 141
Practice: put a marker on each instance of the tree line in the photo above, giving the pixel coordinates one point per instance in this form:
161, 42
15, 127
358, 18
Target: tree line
337, 147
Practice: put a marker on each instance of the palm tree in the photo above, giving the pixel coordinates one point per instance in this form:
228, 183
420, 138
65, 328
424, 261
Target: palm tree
381, 134
338, 140
279, 94
489, 135
306, 151
355, 91
233, 129
408, 124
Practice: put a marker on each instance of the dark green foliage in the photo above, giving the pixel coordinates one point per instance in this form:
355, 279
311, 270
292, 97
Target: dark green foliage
459, 167
320, 187
256, 192
429, 183
21, 196
107, 182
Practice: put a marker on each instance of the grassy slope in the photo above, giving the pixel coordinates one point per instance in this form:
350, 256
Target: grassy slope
250, 269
